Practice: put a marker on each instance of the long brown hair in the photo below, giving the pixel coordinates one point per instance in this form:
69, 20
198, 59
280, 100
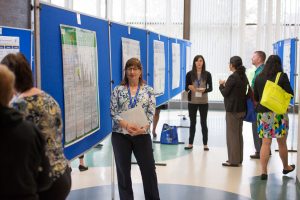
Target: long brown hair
272, 66
133, 62
237, 64
194, 69
19, 65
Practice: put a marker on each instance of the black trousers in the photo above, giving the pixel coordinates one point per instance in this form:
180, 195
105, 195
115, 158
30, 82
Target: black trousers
203, 109
141, 146
60, 188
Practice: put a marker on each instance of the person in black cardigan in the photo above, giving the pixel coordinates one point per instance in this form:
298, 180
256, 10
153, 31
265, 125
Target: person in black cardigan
24, 169
198, 84
271, 125
234, 93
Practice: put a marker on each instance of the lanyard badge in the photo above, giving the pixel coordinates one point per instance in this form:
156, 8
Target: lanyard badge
132, 103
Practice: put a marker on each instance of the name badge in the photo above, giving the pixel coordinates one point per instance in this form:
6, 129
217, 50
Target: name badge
198, 94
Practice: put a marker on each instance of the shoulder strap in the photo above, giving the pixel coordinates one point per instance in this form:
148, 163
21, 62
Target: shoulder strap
277, 77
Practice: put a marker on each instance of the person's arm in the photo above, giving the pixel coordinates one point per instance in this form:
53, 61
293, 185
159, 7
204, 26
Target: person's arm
286, 85
151, 106
188, 81
209, 86
255, 90
44, 181
114, 111
225, 89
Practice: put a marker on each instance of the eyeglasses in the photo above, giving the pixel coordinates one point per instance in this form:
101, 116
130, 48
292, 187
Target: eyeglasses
132, 68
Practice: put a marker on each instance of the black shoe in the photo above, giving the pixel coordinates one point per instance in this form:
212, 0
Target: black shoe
264, 177
188, 148
82, 168
98, 146
206, 149
255, 156
286, 171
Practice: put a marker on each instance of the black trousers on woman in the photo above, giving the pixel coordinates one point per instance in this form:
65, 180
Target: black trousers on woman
141, 146
203, 109
60, 188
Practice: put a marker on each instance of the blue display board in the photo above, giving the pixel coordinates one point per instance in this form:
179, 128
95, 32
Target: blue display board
25, 39
52, 67
178, 90
151, 37
117, 31
287, 51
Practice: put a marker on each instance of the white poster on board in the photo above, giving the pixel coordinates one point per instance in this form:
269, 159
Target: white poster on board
175, 65
286, 63
159, 67
130, 49
8, 45
80, 75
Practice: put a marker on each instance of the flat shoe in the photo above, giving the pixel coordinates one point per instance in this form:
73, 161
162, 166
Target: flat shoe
206, 149
264, 177
188, 148
286, 171
255, 156
226, 164
82, 168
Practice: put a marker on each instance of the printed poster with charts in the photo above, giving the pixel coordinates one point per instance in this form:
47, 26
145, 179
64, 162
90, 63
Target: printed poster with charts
80, 77
175, 65
159, 67
8, 45
130, 49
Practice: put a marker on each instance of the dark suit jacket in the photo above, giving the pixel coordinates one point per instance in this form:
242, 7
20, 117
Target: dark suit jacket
234, 93
259, 85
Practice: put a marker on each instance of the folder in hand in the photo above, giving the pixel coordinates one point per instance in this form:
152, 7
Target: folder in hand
135, 116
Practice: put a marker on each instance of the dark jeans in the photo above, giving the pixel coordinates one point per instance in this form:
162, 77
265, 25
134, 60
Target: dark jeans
141, 146
60, 188
203, 109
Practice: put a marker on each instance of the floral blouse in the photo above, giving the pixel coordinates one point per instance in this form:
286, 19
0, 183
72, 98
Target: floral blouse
120, 102
44, 112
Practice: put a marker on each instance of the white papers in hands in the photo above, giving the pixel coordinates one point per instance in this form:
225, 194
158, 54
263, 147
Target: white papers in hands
135, 116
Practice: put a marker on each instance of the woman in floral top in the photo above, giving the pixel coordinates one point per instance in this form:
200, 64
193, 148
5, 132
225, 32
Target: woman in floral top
40, 108
128, 137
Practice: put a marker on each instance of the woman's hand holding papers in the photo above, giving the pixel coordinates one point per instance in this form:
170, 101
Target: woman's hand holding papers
134, 130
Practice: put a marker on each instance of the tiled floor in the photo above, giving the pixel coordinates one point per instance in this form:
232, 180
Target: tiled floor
194, 174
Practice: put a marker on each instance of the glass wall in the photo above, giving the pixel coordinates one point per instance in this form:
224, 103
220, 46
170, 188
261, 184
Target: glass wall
219, 28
